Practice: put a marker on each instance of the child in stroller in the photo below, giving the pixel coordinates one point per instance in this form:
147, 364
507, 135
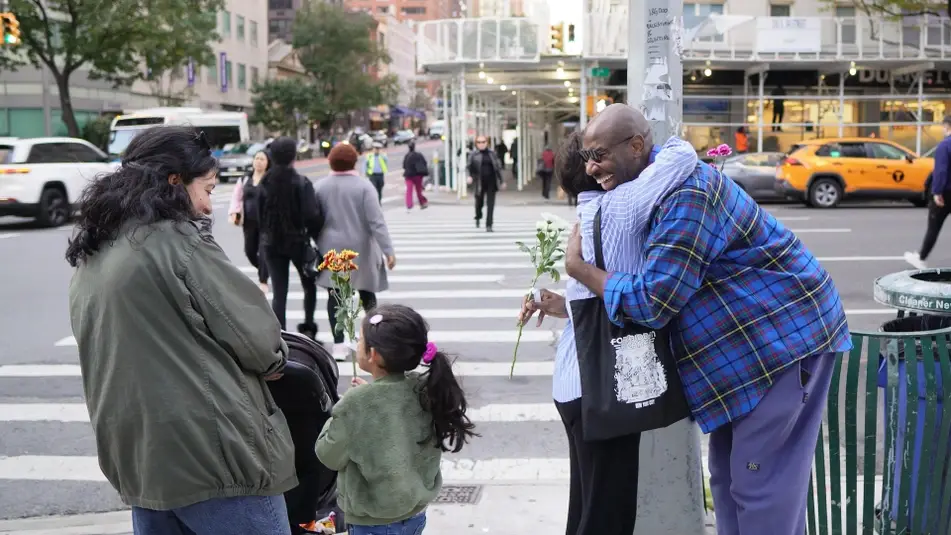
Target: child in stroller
306, 394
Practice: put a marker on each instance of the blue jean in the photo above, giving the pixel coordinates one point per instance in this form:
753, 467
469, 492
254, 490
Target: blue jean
411, 526
260, 515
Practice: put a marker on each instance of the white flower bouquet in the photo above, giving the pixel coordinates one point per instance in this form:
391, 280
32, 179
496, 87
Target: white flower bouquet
545, 255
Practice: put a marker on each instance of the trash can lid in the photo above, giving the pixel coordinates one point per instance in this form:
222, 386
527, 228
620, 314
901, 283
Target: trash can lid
927, 291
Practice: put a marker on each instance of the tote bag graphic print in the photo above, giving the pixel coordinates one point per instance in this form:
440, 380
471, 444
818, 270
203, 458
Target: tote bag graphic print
639, 376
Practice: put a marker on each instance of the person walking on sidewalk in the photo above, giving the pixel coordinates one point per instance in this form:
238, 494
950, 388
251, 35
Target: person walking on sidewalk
377, 167
244, 212
355, 222
546, 167
415, 169
756, 325
386, 438
485, 177
291, 220
939, 203
175, 345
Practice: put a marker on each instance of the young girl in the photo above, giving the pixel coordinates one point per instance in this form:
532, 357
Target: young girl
386, 438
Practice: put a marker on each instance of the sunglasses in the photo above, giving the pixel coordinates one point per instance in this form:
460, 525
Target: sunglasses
595, 155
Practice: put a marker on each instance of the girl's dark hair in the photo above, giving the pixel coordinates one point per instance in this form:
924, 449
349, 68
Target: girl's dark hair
281, 204
139, 189
400, 338
570, 168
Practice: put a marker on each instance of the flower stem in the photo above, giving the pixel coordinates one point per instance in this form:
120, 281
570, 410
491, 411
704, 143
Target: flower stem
518, 339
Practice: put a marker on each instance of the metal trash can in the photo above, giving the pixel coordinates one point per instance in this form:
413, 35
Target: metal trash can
890, 473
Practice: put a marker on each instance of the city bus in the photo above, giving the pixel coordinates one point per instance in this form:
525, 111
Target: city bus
220, 127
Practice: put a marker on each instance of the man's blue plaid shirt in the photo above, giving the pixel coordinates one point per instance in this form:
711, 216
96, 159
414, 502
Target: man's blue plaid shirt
747, 298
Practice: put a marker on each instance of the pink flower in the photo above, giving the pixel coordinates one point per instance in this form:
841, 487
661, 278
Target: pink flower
722, 150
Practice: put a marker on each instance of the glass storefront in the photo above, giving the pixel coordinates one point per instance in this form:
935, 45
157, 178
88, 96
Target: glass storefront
28, 122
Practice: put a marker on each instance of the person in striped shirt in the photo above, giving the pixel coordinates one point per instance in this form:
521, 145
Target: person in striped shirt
756, 319
604, 473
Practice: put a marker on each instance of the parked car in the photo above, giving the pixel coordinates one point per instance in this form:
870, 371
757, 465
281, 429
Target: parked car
236, 160
403, 137
379, 136
823, 172
41, 178
755, 173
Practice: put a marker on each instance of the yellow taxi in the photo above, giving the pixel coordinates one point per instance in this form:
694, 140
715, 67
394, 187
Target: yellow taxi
823, 172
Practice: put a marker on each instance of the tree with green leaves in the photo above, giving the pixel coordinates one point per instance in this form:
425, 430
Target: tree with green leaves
335, 48
283, 105
119, 41
895, 9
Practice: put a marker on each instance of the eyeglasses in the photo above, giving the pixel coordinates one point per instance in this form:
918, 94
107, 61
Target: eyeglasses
481, 142
597, 154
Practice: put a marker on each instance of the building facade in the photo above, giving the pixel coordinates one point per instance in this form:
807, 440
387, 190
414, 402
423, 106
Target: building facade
30, 101
417, 10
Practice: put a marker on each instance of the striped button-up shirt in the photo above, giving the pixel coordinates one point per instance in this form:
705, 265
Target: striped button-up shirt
625, 214
747, 298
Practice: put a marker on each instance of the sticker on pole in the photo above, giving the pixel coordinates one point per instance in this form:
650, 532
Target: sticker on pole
924, 291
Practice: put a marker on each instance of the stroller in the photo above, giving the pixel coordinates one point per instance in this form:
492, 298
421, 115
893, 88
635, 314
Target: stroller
306, 394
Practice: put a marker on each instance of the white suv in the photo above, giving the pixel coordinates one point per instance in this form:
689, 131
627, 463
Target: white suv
43, 177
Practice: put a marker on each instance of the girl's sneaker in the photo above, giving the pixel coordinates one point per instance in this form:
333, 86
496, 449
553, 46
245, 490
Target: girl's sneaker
915, 260
341, 352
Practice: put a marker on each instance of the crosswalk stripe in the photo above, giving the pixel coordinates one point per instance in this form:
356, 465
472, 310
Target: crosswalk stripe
78, 413
418, 279
528, 368
476, 293
86, 468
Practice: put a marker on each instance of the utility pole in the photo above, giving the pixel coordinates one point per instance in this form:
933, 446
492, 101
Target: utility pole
670, 485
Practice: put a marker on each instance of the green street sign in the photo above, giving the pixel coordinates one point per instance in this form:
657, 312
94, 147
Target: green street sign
600, 72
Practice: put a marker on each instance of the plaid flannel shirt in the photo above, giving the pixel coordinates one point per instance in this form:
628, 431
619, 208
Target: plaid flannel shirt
747, 298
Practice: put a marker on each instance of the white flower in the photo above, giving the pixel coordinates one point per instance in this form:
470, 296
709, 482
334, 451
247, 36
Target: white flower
554, 221
541, 226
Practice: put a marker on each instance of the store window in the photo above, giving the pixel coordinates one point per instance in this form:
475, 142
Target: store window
849, 32
414, 10
780, 10
694, 14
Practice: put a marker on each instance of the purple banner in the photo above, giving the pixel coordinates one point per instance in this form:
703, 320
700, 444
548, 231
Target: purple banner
191, 72
223, 71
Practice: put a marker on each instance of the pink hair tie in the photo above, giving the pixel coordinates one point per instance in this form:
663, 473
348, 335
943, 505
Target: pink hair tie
429, 353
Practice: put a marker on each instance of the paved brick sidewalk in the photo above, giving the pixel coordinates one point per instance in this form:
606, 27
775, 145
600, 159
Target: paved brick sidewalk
501, 510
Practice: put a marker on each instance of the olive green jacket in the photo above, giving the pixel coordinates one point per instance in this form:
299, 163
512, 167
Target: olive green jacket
174, 345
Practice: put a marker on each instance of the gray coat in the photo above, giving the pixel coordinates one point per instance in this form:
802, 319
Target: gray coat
354, 220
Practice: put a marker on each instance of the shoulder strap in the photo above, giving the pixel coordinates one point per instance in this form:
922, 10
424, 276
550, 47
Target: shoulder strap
598, 254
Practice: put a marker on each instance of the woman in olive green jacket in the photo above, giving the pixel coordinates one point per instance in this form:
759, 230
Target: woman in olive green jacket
175, 346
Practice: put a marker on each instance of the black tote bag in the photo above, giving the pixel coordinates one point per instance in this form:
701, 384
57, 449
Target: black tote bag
629, 379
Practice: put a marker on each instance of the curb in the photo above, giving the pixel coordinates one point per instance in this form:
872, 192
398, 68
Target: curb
111, 523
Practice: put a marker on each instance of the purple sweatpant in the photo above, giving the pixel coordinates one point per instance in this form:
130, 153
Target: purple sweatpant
760, 464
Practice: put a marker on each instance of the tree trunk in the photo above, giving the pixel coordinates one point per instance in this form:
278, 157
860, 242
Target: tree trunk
66, 104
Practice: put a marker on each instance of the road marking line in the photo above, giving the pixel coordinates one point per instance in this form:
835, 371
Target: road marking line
462, 337
78, 413
86, 468
7, 235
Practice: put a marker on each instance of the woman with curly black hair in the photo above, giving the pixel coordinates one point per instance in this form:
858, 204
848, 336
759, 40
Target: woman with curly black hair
175, 345
290, 219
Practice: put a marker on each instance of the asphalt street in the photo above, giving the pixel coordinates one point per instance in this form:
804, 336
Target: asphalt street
466, 282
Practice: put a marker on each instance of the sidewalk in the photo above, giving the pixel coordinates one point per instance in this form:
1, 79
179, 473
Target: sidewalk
499, 510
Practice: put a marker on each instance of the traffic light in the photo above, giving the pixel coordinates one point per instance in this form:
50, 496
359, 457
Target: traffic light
9, 29
571, 32
558, 37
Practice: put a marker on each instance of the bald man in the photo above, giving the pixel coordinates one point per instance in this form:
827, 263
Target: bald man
755, 323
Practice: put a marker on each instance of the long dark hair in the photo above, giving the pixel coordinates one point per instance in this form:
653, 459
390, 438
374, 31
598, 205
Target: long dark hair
570, 167
281, 204
400, 337
139, 190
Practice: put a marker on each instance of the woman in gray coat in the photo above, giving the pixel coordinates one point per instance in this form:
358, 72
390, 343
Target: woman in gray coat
353, 220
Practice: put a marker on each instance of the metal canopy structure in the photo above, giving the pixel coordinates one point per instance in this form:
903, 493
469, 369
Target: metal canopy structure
496, 70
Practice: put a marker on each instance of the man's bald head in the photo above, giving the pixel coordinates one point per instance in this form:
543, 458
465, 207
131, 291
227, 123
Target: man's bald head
617, 145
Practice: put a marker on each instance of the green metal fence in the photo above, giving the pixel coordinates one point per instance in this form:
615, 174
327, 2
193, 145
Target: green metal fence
882, 458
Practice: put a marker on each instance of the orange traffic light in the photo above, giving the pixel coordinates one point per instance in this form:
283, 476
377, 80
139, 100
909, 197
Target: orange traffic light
9, 29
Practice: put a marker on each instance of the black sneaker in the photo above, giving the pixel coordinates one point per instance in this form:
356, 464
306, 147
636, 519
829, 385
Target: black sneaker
477, 223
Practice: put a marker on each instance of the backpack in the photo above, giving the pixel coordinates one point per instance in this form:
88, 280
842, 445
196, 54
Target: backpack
306, 394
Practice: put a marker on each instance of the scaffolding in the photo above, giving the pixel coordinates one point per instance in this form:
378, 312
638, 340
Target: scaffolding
499, 70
